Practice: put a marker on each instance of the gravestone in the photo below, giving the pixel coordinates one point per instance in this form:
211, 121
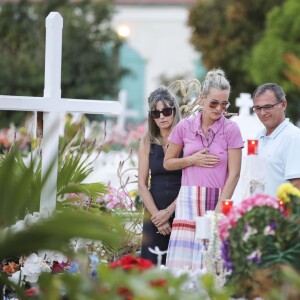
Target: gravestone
52, 105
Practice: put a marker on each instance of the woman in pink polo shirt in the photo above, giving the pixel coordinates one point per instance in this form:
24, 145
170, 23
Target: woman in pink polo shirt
212, 149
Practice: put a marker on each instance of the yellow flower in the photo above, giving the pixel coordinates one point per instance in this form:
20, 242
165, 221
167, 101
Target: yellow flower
133, 193
285, 191
23, 130
36, 143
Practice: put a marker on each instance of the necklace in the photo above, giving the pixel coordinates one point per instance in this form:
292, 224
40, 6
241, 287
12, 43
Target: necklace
207, 139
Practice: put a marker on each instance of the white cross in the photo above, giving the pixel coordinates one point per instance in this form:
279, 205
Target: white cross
244, 102
125, 113
52, 105
159, 254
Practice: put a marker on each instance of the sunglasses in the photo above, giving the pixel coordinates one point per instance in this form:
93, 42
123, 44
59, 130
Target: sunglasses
216, 103
155, 114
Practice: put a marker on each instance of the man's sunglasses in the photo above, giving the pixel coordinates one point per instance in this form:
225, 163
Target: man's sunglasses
216, 103
155, 114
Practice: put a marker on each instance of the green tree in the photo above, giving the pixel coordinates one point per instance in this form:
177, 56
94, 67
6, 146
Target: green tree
90, 66
268, 61
224, 31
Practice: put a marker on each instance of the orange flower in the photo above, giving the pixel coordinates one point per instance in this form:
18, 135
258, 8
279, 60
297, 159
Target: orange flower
11, 268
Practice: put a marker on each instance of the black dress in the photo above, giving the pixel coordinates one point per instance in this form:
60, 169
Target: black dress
164, 188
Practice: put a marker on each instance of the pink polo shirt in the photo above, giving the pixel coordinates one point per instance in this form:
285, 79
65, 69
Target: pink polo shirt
224, 134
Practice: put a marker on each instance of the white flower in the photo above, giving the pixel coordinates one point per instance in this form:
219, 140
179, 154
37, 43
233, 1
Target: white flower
78, 244
33, 267
269, 230
255, 256
16, 277
248, 232
51, 256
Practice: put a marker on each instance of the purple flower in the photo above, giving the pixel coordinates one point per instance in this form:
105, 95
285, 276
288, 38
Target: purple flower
273, 225
255, 257
270, 229
226, 255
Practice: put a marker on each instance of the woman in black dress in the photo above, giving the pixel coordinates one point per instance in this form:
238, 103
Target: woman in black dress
159, 199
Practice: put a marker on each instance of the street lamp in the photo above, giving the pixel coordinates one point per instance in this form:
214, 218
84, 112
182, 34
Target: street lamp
123, 31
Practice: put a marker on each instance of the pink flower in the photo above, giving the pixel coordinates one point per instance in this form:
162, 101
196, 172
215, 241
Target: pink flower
112, 204
238, 211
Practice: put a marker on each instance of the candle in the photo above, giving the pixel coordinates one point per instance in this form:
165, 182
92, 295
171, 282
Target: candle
252, 147
226, 206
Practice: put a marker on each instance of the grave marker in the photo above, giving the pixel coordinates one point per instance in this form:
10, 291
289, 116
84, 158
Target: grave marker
52, 105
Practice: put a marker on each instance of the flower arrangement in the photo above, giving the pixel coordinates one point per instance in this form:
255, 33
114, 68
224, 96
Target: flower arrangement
257, 235
238, 211
129, 266
143, 280
24, 271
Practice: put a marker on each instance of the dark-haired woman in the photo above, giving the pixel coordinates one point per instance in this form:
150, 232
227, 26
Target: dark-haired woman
158, 187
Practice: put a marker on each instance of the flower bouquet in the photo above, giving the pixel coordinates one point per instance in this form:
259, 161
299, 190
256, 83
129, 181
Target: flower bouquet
256, 235
135, 273
132, 277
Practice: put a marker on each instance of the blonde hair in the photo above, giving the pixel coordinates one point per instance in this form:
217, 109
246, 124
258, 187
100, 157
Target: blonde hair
215, 79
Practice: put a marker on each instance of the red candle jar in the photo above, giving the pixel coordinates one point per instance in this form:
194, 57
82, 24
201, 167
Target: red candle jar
252, 147
226, 206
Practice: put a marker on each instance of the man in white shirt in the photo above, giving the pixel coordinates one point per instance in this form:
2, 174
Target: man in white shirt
279, 141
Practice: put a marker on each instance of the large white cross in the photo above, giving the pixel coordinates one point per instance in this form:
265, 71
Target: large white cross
52, 105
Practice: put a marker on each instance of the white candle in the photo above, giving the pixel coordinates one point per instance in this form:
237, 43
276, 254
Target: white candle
203, 227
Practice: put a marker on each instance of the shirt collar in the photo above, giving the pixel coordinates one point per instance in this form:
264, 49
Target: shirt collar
278, 129
214, 127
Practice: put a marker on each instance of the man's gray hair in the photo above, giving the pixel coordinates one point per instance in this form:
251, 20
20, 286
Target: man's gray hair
277, 90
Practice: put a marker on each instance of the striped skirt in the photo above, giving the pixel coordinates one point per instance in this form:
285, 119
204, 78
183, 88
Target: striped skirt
184, 250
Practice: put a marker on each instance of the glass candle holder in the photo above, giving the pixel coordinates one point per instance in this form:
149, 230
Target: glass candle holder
226, 206
252, 147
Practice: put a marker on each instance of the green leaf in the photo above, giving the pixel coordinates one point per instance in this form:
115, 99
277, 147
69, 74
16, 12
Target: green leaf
55, 233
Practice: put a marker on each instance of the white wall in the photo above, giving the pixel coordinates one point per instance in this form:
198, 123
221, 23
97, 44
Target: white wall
160, 35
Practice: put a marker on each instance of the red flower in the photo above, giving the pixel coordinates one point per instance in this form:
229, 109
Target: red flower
159, 282
127, 295
59, 267
31, 292
129, 262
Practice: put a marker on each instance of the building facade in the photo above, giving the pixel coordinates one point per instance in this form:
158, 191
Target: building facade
156, 44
